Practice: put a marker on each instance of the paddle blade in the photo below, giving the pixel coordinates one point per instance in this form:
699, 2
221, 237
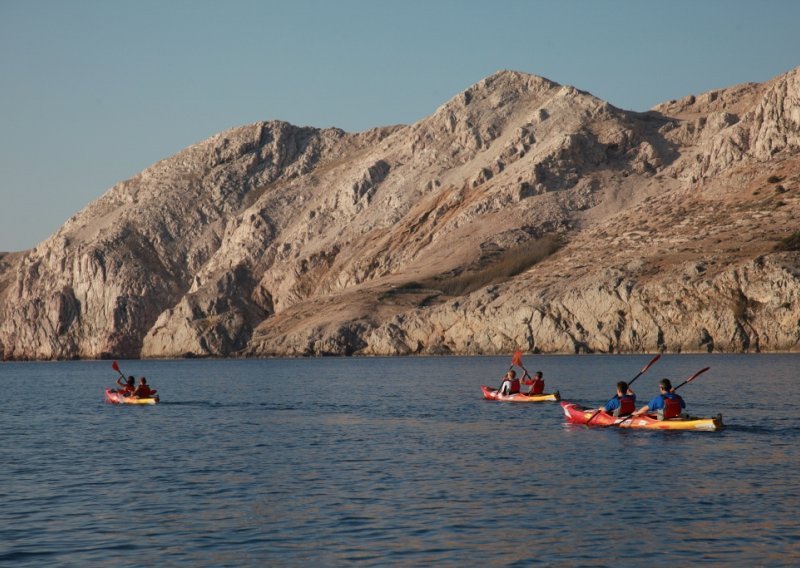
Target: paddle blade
697, 374
115, 366
517, 359
650, 364
690, 379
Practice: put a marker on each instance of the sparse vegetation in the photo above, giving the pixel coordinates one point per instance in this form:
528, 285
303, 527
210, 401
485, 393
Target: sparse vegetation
416, 292
458, 283
510, 263
790, 243
774, 179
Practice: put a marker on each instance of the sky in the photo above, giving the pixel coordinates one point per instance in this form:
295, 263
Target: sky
93, 92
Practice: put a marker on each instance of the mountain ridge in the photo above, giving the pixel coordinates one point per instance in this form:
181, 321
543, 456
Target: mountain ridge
274, 239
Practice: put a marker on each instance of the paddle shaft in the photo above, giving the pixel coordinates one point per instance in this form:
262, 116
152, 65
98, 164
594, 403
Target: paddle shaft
115, 366
643, 371
690, 379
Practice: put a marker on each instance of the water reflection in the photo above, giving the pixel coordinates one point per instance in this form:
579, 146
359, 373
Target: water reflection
371, 471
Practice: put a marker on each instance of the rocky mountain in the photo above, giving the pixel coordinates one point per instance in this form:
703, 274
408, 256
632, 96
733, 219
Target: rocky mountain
521, 213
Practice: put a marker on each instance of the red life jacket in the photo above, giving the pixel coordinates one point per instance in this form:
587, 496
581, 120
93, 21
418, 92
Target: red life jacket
514, 386
537, 386
672, 406
627, 404
144, 391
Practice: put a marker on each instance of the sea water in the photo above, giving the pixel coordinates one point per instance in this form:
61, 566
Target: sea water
394, 461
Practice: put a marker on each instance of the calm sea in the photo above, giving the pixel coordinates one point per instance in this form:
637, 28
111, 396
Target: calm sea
394, 462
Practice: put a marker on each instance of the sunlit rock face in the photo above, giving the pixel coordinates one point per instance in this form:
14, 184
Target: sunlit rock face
520, 214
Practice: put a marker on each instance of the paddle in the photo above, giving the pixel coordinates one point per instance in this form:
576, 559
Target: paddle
115, 366
516, 359
642, 372
690, 379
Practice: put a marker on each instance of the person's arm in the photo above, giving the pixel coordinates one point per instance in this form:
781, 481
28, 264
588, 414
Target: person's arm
647, 407
656, 403
611, 405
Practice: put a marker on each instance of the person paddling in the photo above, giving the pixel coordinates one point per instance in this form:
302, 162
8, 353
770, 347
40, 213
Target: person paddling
511, 384
623, 403
143, 390
667, 404
537, 384
128, 385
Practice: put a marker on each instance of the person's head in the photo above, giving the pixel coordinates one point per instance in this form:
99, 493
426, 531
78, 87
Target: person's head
537, 375
622, 388
143, 381
665, 385
511, 374
131, 381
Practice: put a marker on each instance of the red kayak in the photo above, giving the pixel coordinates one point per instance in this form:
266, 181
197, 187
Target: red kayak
490, 393
577, 414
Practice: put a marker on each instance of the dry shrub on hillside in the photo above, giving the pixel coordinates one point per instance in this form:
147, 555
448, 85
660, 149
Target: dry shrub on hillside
510, 263
790, 243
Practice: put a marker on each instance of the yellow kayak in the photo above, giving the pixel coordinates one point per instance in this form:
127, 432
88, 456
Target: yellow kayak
114, 397
577, 414
490, 393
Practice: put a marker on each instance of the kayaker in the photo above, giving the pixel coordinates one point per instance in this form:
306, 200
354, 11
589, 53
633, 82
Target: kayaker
510, 383
537, 384
623, 403
666, 404
128, 385
143, 390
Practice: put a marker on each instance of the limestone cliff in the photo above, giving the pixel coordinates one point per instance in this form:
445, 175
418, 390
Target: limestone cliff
521, 213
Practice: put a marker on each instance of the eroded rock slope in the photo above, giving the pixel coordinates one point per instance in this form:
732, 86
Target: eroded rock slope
521, 213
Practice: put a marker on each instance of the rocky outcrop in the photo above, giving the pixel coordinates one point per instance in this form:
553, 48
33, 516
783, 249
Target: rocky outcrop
672, 231
745, 308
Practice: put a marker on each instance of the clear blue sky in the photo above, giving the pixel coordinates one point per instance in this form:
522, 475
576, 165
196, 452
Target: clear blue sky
92, 92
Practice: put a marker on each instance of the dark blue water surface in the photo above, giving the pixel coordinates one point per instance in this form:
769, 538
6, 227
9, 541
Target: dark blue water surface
399, 461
